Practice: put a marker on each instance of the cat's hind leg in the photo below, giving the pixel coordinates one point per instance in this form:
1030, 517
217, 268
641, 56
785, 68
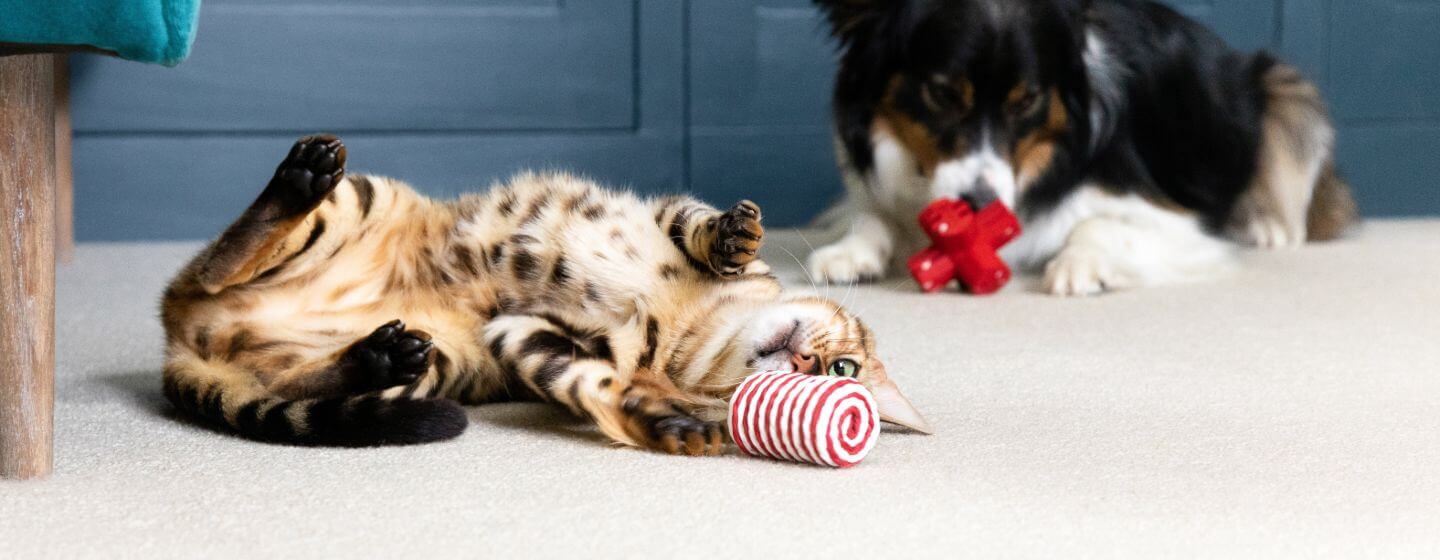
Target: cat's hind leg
274, 228
576, 369
400, 361
390, 356
725, 243
274, 383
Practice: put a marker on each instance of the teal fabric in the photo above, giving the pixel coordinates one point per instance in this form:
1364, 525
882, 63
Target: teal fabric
158, 31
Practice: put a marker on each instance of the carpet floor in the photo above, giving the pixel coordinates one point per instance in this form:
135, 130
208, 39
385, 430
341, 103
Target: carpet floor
1292, 409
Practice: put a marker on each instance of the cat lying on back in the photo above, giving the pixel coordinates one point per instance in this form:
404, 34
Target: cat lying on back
349, 310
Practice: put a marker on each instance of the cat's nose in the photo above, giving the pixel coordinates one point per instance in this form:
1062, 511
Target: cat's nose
804, 363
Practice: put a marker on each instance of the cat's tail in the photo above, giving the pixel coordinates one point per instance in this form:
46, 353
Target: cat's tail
206, 391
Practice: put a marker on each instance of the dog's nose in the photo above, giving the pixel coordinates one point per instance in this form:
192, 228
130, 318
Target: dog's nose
981, 195
804, 363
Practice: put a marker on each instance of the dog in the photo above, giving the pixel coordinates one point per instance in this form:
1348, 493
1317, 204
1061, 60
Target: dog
1136, 146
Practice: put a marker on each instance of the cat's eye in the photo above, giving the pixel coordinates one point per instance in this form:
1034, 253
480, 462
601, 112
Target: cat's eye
844, 368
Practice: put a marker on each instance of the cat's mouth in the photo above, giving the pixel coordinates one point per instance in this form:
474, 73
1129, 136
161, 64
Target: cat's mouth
776, 352
780, 341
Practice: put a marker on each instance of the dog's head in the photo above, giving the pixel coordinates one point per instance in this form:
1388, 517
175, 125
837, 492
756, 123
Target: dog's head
982, 93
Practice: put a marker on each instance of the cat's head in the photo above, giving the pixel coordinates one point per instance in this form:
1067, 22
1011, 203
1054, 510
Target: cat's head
814, 335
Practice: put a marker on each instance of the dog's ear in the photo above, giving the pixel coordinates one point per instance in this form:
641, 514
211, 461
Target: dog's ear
1073, 8
849, 18
1076, 80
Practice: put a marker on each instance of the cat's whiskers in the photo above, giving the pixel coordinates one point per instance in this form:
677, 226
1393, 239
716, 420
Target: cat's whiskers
801, 235
803, 269
845, 301
888, 285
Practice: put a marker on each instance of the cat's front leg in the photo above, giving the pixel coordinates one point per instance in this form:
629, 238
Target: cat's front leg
654, 416
574, 367
725, 243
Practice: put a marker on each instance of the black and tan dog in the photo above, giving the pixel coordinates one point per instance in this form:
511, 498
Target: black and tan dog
1135, 145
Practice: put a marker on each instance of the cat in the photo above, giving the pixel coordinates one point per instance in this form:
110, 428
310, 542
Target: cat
348, 310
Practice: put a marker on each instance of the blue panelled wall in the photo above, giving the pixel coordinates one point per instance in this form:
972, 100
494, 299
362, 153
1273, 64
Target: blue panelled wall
724, 98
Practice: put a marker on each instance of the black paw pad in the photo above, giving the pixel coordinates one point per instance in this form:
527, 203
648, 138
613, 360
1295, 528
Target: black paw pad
309, 173
687, 435
392, 355
738, 235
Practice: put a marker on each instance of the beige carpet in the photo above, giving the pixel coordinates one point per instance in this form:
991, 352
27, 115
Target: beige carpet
1291, 410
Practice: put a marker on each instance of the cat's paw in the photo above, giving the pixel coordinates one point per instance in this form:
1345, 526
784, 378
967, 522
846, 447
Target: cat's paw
846, 262
660, 424
738, 235
315, 165
687, 435
392, 355
1078, 271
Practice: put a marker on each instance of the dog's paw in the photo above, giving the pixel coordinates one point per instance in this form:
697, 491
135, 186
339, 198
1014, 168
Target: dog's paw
1081, 272
846, 263
392, 355
1267, 232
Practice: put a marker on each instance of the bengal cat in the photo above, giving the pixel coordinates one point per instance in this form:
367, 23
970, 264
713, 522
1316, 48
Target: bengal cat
350, 310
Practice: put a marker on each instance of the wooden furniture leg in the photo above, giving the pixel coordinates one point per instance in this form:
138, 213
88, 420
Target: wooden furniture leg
27, 264
64, 177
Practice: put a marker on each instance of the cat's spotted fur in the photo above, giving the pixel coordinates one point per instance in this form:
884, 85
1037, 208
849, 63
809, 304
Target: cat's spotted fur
349, 310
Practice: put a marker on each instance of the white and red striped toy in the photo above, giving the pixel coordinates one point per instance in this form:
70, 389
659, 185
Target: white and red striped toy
816, 419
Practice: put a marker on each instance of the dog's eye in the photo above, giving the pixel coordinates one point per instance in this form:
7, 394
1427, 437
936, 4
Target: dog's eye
1031, 102
844, 368
941, 97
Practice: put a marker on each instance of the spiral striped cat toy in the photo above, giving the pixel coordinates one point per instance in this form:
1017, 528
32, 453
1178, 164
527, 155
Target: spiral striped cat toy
831, 421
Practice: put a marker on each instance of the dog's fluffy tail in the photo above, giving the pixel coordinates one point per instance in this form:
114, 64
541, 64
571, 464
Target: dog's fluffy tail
1333, 210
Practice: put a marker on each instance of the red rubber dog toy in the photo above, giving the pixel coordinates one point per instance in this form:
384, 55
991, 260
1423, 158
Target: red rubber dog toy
966, 237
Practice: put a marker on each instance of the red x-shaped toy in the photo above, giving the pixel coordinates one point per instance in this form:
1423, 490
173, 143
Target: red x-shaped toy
965, 244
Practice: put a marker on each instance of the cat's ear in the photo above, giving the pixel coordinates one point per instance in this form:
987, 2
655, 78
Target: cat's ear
896, 409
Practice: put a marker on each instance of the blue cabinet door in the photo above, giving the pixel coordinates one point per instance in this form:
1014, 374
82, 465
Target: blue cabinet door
449, 94
1245, 24
1379, 62
760, 78
370, 65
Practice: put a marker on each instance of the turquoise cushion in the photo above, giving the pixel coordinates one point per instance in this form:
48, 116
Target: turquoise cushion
145, 30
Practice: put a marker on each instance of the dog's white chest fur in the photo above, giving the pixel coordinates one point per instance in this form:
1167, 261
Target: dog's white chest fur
1090, 242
